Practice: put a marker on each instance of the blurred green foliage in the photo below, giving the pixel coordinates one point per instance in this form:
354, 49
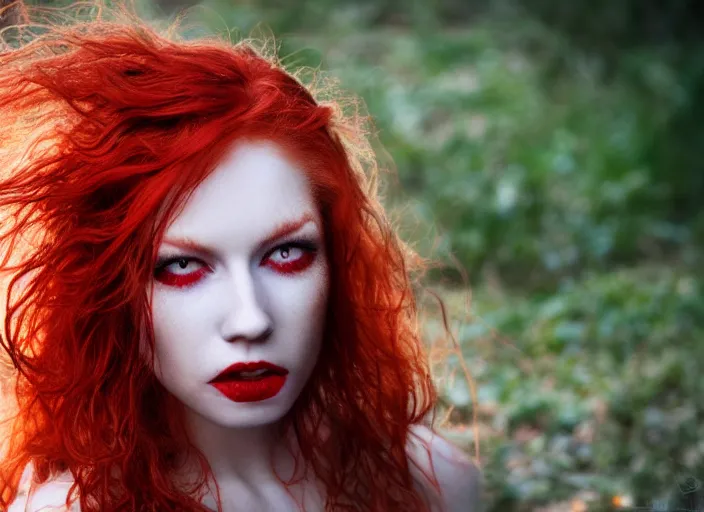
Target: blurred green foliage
601, 392
553, 151
532, 156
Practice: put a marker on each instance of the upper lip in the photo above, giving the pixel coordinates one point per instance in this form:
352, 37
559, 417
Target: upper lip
249, 367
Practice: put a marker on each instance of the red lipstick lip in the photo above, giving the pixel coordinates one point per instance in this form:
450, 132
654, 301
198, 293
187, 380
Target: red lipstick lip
248, 367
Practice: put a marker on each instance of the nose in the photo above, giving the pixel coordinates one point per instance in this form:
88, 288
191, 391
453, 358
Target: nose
245, 318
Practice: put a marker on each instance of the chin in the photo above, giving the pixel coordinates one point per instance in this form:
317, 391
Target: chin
228, 414
246, 420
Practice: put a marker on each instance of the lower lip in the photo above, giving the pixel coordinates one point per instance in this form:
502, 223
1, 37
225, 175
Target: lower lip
254, 390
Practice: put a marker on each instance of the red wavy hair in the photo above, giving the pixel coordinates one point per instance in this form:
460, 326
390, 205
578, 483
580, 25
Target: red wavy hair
108, 125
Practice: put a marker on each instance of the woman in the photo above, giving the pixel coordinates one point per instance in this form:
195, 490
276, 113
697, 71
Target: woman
208, 309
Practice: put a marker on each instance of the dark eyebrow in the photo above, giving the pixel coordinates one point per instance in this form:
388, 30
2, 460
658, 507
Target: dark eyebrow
282, 230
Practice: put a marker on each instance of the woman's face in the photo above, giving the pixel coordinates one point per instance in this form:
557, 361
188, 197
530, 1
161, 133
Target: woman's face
242, 277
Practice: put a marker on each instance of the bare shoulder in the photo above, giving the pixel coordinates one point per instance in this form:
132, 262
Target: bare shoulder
47, 497
457, 476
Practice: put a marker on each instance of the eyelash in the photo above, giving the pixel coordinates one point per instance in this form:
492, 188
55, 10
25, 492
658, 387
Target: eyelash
183, 280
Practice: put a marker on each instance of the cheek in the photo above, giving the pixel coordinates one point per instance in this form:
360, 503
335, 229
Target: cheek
313, 310
298, 307
320, 286
310, 299
172, 334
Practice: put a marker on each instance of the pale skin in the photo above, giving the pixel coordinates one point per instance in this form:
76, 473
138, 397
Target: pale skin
255, 289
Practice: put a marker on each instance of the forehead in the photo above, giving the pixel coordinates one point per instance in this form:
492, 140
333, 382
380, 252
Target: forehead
253, 189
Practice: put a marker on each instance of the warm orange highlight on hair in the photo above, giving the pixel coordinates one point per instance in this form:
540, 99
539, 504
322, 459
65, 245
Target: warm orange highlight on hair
107, 127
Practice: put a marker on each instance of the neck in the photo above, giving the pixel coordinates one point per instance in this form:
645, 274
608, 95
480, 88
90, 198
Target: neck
246, 457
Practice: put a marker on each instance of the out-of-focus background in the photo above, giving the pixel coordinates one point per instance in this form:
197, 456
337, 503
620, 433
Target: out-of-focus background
551, 149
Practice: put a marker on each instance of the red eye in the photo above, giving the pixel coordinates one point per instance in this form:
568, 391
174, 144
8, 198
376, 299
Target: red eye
291, 258
183, 271
180, 272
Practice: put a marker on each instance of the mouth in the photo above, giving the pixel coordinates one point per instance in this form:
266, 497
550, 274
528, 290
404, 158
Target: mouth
250, 382
249, 371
